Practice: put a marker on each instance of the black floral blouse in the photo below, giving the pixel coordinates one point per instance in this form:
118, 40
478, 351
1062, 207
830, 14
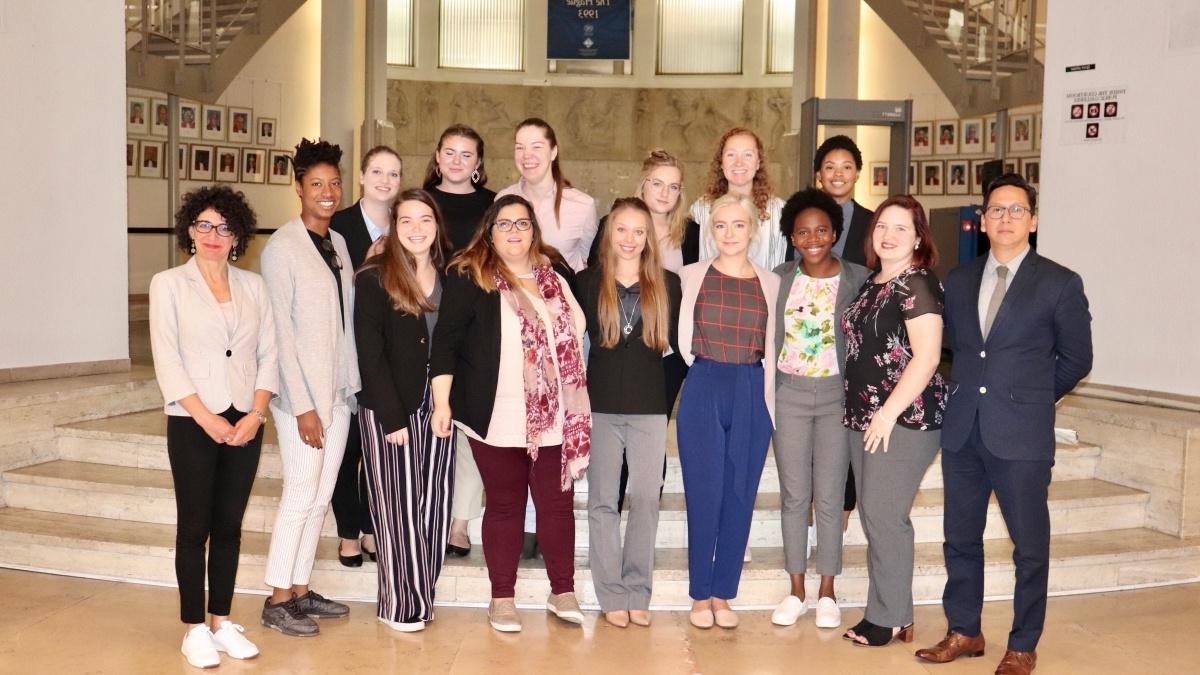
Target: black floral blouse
878, 349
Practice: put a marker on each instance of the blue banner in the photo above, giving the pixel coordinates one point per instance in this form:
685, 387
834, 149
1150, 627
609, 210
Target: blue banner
588, 29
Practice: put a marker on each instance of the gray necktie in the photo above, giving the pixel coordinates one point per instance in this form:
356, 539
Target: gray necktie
997, 299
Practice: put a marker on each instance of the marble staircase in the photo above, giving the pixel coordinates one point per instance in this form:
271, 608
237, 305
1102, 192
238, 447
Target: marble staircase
99, 502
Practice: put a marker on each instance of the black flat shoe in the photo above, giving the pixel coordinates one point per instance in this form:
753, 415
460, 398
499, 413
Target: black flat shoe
457, 551
350, 560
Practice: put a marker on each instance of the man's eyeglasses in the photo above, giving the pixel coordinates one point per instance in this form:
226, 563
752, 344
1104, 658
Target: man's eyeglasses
327, 246
508, 225
204, 227
1016, 211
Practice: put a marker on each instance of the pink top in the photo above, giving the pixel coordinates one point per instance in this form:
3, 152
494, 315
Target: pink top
573, 232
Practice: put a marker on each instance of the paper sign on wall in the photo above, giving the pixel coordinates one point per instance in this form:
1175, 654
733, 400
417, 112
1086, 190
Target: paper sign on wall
1096, 115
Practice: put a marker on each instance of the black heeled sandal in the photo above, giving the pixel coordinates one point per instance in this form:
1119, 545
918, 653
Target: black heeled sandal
857, 629
878, 636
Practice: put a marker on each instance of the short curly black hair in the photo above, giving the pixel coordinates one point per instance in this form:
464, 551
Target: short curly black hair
838, 142
311, 153
230, 204
810, 198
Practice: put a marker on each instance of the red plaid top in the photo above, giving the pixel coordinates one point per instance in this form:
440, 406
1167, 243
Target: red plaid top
730, 320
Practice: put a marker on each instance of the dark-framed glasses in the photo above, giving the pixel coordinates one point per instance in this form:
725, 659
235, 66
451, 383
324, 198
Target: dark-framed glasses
508, 225
204, 227
1016, 211
327, 246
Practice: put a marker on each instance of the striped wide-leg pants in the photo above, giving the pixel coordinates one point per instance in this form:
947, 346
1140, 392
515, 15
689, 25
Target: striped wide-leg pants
410, 490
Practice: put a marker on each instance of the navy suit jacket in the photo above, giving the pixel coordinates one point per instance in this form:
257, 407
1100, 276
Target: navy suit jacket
1039, 348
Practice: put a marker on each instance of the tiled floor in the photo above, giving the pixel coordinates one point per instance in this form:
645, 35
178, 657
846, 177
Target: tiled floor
65, 625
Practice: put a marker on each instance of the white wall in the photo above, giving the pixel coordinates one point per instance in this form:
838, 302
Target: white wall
282, 80
62, 68
1123, 214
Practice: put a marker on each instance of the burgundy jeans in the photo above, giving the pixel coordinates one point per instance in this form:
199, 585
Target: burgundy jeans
508, 476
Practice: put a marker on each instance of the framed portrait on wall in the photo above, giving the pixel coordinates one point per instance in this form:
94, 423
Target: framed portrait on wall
922, 138
912, 178
254, 166
227, 164
1020, 133
150, 159
947, 137
932, 180
131, 157
201, 163
971, 141
958, 177
1010, 165
280, 168
214, 123
264, 130
989, 135
160, 117
1031, 168
189, 119
879, 177
977, 176
137, 115
239, 125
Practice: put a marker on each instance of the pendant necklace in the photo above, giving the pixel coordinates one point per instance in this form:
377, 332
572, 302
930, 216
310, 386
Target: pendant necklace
627, 321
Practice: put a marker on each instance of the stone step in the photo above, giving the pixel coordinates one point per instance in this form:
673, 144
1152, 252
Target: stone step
147, 495
139, 440
143, 552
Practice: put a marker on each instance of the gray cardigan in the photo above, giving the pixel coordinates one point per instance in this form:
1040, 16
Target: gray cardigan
851, 278
318, 366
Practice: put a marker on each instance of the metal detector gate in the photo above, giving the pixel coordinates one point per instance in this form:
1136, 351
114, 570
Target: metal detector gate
896, 115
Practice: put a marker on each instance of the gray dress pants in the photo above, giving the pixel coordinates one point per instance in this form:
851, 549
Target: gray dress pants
812, 453
623, 575
887, 483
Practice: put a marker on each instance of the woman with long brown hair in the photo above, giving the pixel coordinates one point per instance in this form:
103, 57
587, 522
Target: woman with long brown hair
632, 310
507, 366
739, 166
397, 294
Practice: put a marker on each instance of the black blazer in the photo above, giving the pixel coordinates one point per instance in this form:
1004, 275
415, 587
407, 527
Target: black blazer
626, 379
393, 349
350, 224
466, 344
856, 234
690, 246
1039, 348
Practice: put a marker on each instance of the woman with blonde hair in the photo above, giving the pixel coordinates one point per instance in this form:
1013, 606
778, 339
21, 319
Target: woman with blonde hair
507, 366
739, 166
660, 187
632, 309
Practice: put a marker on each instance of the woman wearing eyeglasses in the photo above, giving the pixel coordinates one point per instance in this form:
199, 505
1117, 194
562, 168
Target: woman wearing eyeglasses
213, 339
307, 269
507, 366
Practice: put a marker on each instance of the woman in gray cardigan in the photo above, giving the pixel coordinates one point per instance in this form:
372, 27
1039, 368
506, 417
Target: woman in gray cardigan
812, 451
307, 269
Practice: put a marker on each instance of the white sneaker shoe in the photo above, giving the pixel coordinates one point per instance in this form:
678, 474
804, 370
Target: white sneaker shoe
790, 609
229, 639
199, 648
829, 615
403, 626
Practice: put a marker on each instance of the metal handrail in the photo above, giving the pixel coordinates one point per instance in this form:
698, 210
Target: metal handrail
140, 23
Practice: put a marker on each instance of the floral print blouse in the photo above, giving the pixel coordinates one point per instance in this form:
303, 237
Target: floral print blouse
878, 349
809, 327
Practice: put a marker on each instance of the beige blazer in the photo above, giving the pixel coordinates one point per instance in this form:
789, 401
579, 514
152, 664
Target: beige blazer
195, 353
318, 365
691, 277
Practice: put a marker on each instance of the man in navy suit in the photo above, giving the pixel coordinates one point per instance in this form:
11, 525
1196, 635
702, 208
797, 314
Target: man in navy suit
1020, 330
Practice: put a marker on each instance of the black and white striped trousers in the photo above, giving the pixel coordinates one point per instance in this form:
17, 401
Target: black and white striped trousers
410, 492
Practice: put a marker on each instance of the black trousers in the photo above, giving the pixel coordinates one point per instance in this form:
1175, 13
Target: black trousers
212, 486
350, 508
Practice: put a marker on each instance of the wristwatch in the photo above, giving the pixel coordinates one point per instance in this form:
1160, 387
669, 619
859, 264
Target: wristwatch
262, 417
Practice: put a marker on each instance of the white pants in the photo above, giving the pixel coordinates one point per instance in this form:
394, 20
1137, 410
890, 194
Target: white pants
309, 475
468, 486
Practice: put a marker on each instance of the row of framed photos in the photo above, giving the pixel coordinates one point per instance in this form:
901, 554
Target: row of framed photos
144, 158
974, 136
151, 117
952, 176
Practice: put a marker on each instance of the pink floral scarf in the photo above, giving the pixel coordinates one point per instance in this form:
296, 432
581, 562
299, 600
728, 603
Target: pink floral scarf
542, 382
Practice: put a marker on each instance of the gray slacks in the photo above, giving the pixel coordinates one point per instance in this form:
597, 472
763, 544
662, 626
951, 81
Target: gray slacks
623, 575
887, 483
812, 453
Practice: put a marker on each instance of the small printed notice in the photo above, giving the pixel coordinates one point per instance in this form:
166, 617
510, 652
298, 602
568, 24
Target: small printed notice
1097, 115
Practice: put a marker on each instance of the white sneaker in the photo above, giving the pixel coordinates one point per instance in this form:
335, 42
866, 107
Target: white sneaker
199, 648
789, 610
829, 615
229, 639
403, 626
